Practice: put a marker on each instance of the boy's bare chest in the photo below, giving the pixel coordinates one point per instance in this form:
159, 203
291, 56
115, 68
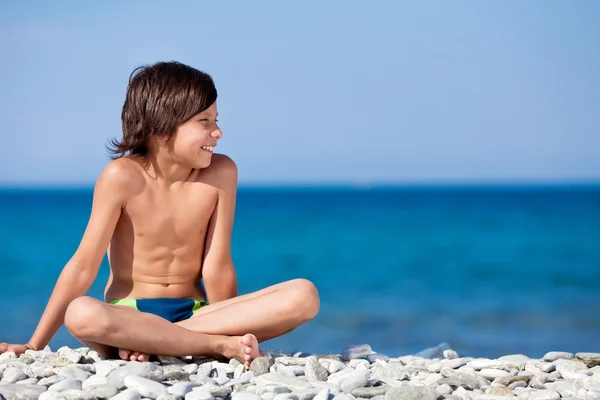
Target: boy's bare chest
171, 219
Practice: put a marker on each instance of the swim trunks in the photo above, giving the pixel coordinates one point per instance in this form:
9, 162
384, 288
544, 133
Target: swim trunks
171, 309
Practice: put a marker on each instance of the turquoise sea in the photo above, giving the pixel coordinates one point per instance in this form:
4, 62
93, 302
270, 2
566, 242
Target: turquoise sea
490, 270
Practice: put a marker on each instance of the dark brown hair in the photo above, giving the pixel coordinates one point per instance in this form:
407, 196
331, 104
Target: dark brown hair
159, 98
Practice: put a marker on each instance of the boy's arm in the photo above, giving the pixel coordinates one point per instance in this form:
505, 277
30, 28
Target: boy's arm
110, 194
218, 271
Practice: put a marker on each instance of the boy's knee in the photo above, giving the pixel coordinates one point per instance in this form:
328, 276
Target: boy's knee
306, 298
83, 316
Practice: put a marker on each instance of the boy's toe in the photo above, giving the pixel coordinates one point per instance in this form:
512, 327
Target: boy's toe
124, 354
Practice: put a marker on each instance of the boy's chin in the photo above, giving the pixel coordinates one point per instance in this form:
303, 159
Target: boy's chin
201, 164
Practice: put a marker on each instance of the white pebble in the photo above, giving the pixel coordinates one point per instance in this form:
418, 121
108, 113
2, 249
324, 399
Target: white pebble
127, 394
491, 373
443, 389
199, 394
145, 387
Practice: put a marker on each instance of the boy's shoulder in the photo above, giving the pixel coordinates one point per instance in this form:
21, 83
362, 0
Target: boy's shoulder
123, 174
222, 171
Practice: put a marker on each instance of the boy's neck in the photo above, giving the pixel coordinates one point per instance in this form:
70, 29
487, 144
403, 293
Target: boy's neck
164, 169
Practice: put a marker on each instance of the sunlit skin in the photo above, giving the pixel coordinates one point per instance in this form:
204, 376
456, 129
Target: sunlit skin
166, 220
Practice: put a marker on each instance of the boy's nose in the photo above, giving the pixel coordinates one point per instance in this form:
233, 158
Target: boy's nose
217, 133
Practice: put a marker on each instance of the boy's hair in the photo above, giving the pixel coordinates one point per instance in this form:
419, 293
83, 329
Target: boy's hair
159, 98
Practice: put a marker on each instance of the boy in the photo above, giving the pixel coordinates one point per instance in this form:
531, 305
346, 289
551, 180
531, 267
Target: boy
164, 209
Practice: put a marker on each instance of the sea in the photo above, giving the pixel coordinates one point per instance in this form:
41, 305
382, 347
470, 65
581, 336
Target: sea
486, 270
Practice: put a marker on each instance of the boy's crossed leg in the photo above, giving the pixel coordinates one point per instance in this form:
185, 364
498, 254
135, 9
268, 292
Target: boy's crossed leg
230, 328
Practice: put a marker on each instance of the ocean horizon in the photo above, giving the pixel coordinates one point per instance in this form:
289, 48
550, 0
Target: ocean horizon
491, 269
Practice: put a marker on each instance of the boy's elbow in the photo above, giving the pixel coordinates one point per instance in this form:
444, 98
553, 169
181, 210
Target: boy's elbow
220, 284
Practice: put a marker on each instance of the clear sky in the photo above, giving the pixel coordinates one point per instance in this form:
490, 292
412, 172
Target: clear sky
316, 91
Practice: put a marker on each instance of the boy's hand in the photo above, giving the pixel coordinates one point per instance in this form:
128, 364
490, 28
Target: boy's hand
18, 349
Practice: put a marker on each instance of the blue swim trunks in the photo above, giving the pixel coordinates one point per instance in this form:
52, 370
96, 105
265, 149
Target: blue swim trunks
171, 309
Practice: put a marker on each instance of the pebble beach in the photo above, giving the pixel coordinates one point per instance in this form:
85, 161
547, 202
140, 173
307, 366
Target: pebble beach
356, 373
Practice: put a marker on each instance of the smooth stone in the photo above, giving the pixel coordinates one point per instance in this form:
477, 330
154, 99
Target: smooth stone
94, 381
560, 386
519, 384
204, 370
449, 354
74, 394
245, 396
336, 366
166, 396
432, 379
500, 391
48, 396
393, 370
193, 368
589, 359
276, 378
283, 396
198, 395
571, 370
514, 359
369, 392
533, 367
547, 367
555, 355
354, 352
314, 370
509, 380
103, 368
485, 363
372, 358
201, 380
454, 363
66, 384
434, 367
544, 395
146, 370
410, 393
490, 373
215, 390
286, 369
9, 355
260, 365
51, 380
26, 392
297, 370
180, 389
291, 361
322, 395
73, 372
539, 381
175, 373
306, 394
103, 391
70, 354
127, 394
443, 389
244, 378
358, 361
144, 386
221, 380
331, 387
13, 375
239, 370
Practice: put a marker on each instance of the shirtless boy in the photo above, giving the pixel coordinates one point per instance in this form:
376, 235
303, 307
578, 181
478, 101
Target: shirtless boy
163, 211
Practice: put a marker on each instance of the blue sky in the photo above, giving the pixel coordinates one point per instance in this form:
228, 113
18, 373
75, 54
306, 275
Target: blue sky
316, 92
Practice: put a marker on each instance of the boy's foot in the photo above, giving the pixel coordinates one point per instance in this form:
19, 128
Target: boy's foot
129, 355
242, 348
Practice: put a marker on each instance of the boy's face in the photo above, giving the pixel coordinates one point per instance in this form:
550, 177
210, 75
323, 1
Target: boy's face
194, 141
